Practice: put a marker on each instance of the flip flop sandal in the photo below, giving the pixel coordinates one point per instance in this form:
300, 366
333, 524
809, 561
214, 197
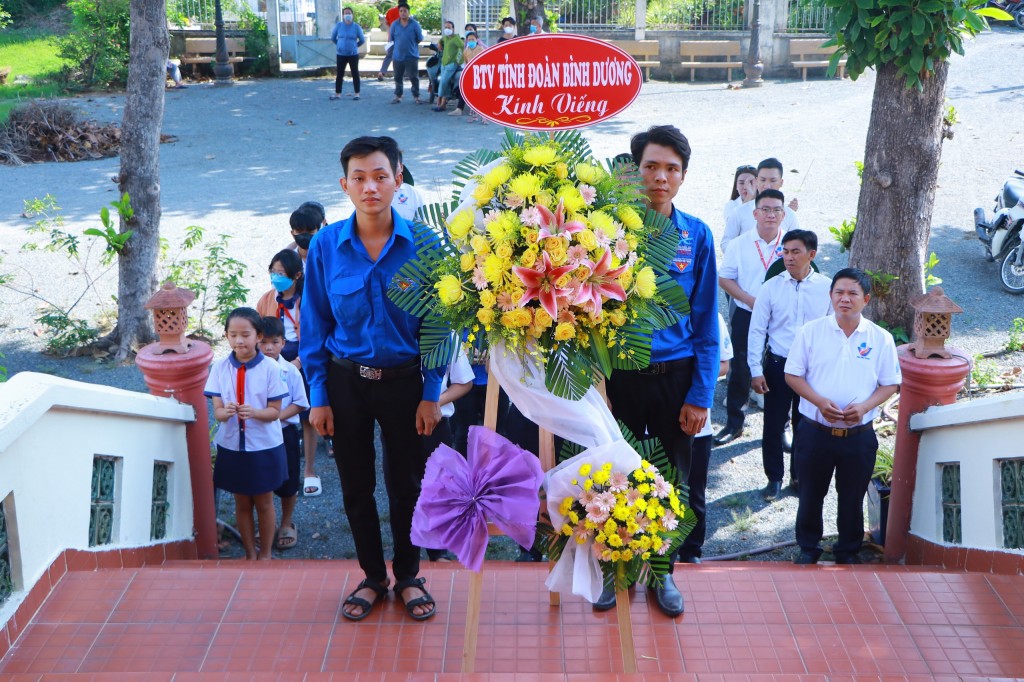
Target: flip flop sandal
311, 483
367, 607
418, 601
284, 535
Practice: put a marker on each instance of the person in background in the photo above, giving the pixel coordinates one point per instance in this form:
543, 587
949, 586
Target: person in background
407, 200
471, 28
473, 48
452, 47
742, 219
406, 34
700, 462
348, 38
305, 222
174, 73
508, 29
843, 367
273, 342
388, 18
536, 25
785, 303
744, 187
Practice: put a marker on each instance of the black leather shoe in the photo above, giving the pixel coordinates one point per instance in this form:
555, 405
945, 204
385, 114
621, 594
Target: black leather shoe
728, 434
806, 558
606, 600
669, 598
772, 490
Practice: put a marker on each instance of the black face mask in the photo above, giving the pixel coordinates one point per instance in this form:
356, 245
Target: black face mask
303, 239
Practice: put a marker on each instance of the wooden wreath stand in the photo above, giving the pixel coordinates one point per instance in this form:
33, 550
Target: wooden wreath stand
546, 452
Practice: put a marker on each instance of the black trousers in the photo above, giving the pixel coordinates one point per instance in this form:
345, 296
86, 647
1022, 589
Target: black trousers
649, 405
781, 405
700, 461
357, 403
852, 459
408, 68
738, 387
339, 79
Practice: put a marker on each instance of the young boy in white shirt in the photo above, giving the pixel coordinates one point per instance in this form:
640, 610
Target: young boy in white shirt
842, 367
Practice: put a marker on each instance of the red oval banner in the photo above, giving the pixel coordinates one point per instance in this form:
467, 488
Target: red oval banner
551, 81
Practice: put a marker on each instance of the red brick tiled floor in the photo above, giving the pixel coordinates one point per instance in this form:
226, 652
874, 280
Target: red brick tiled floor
743, 621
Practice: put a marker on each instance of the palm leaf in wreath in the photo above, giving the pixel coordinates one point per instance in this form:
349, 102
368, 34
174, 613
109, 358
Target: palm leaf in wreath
467, 168
513, 139
634, 346
437, 343
673, 295
574, 143
436, 215
660, 250
412, 289
568, 372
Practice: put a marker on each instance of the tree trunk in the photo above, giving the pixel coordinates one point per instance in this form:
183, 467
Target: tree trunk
140, 173
894, 213
524, 11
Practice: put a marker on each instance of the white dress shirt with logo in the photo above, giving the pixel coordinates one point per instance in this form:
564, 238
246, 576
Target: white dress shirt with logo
783, 306
747, 260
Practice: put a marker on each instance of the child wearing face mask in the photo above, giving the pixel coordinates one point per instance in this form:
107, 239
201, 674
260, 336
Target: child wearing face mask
347, 37
508, 29
304, 222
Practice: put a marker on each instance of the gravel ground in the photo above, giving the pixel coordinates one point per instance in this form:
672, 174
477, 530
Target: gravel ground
248, 154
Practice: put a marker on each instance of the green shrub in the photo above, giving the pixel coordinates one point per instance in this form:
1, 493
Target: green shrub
98, 44
24, 9
5, 17
257, 43
428, 13
366, 16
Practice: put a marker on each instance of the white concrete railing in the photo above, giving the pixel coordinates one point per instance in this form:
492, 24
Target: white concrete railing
977, 434
50, 431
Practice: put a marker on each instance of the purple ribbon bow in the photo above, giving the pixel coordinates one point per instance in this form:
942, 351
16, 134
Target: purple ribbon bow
498, 483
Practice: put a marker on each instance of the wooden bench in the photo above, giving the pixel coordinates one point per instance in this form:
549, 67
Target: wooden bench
204, 50
710, 54
644, 52
808, 54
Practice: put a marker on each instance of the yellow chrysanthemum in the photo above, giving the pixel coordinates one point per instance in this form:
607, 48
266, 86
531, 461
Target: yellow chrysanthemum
630, 218
485, 316
616, 555
639, 475
626, 555
573, 517
566, 505
564, 331
589, 173
599, 220
525, 185
581, 539
621, 512
449, 289
479, 244
588, 484
482, 194
494, 269
570, 198
610, 527
645, 556
460, 224
541, 155
601, 477
585, 469
498, 176
614, 540
487, 298
643, 488
607, 466
645, 283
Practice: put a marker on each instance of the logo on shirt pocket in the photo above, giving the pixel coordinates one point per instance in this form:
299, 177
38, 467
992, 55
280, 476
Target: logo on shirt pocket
863, 351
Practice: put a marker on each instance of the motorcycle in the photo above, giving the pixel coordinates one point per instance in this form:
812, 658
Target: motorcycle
1002, 235
1014, 9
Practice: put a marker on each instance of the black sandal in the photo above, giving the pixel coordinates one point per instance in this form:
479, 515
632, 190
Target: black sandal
367, 607
418, 601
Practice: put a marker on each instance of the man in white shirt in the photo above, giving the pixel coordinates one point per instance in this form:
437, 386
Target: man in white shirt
742, 273
842, 367
785, 303
743, 219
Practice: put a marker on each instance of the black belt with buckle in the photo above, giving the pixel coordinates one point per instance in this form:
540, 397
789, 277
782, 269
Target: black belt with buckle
775, 356
838, 433
378, 373
667, 367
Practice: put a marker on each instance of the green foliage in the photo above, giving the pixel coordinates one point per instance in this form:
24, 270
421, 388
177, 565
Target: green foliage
366, 16
844, 233
881, 282
899, 334
427, 13
1016, 340
257, 43
29, 52
859, 165
98, 44
213, 276
884, 458
115, 240
984, 372
5, 17
65, 334
931, 280
742, 521
3, 370
26, 9
914, 35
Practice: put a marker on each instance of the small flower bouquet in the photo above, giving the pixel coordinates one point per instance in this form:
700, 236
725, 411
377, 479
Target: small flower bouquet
627, 511
551, 254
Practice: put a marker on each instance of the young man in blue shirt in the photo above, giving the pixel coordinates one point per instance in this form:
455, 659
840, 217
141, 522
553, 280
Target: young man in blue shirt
362, 359
670, 399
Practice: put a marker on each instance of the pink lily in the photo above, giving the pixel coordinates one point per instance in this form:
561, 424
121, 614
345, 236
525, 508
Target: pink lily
541, 284
554, 225
601, 282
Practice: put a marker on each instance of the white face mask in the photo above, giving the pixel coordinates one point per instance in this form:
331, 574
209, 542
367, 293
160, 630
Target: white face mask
347, 18
448, 31
509, 30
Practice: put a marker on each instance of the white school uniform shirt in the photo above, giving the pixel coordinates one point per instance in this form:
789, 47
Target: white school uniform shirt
407, 201
742, 220
262, 385
724, 353
459, 371
729, 207
784, 305
292, 378
844, 369
747, 260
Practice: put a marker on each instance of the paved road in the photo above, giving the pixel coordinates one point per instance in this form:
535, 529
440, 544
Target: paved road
248, 154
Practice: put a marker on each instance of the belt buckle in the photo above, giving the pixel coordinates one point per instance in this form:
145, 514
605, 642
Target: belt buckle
840, 433
371, 373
